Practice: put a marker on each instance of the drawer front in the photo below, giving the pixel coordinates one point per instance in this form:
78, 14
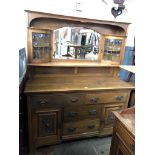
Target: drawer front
74, 99
82, 112
106, 97
48, 100
41, 100
123, 134
80, 127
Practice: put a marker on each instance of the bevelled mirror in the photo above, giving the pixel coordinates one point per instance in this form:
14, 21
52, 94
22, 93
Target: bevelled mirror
75, 43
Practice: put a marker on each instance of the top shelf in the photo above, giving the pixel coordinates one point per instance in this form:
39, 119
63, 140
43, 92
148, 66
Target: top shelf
129, 68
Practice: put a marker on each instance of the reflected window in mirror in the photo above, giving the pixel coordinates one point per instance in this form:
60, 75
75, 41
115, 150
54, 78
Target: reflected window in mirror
76, 43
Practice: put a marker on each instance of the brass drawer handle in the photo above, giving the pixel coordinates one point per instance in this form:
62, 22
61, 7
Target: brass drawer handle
92, 112
74, 99
72, 114
119, 98
71, 129
91, 126
94, 100
43, 102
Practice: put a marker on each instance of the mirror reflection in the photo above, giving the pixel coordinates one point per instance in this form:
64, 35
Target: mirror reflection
75, 43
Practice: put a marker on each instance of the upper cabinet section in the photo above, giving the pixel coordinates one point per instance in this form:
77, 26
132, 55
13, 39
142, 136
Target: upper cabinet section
57, 38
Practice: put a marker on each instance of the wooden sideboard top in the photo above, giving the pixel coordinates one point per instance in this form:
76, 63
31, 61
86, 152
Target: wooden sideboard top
72, 83
73, 63
127, 118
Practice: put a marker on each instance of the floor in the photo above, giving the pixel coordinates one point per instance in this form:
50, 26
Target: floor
91, 146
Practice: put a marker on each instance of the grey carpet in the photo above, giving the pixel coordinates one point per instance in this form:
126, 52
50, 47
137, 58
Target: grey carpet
92, 146
102, 149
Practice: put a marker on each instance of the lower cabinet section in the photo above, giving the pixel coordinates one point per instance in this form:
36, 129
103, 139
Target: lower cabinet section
46, 127
57, 117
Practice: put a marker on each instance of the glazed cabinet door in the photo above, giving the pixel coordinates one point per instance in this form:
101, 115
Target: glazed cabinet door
39, 45
46, 127
113, 49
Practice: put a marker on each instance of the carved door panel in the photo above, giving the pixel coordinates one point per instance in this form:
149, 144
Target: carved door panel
46, 124
108, 115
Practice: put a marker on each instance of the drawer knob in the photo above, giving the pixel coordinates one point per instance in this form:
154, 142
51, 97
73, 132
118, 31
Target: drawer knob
91, 126
92, 112
74, 99
71, 129
42, 102
73, 114
94, 99
119, 98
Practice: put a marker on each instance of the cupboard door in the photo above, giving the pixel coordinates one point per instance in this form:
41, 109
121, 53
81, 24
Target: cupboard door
113, 48
46, 125
108, 115
39, 45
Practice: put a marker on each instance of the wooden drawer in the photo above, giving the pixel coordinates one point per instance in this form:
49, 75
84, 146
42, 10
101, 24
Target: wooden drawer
124, 135
106, 97
48, 100
80, 127
74, 99
45, 100
82, 112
